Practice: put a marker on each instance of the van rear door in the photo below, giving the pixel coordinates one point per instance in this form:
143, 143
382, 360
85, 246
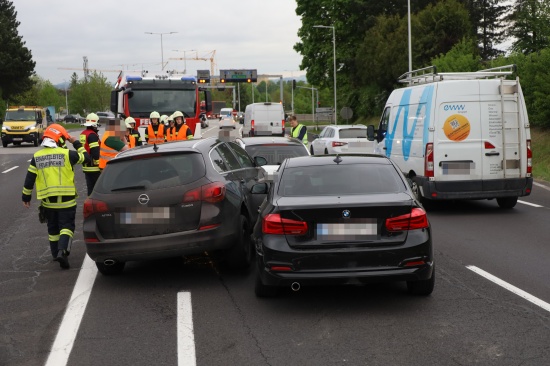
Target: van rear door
458, 145
275, 116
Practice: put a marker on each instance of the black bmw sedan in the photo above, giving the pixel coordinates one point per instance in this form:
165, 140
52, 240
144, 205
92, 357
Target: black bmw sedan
342, 220
174, 199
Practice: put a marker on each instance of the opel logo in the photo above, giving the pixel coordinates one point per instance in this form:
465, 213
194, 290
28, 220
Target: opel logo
143, 199
346, 214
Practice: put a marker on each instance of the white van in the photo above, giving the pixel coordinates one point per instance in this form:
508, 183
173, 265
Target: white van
264, 119
461, 135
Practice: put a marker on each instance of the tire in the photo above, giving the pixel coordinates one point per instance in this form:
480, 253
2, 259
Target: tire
311, 150
4, 144
35, 142
326, 151
262, 290
239, 256
111, 270
507, 202
423, 287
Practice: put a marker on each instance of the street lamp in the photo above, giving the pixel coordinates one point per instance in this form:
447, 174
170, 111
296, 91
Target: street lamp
334, 57
184, 59
292, 88
66, 99
161, 46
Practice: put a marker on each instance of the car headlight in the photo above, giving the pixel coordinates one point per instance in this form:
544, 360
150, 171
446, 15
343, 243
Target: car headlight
5, 128
30, 128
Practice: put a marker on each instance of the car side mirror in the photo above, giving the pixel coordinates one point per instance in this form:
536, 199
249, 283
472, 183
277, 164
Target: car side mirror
260, 188
260, 161
313, 136
370, 132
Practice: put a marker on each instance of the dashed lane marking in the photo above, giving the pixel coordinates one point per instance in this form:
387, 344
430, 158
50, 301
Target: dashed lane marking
186, 334
10, 169
529, 203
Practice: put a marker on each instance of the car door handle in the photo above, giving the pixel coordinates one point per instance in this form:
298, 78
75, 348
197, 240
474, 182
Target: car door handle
492, 154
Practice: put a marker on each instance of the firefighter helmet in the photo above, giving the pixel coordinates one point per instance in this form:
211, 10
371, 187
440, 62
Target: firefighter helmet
164, 119
178, 114
57, 133
154, 114
91, 120
129, 122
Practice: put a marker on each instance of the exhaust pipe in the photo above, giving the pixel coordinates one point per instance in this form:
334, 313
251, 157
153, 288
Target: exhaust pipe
109, 262
295, 286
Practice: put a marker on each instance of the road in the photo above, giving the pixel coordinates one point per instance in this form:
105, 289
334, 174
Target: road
187, 311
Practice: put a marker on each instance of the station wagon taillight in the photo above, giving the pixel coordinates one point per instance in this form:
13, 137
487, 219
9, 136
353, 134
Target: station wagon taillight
338, 143
92, 206
417, 219
212, 193
275, 224
529, 158
429, 160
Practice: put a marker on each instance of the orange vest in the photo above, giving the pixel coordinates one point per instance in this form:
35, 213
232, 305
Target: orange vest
158, 138
105, 152
181, 134
171, 134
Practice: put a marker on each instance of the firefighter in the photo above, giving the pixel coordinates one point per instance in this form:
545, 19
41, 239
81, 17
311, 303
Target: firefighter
171, 127
90, 140
132, 134
298, 131
181, 130
112, 142
51, 169
155, 130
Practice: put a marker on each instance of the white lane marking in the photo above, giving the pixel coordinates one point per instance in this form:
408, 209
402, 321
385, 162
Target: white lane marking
66, 335
10, 169
511, 288
529, 204
186, 335
541, 186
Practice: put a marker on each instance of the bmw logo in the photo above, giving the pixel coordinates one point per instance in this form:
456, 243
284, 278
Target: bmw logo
143, 199
346, 214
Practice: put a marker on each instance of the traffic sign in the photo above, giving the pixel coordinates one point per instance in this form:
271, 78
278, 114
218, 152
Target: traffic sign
238, 76
346, 113
203, 76
325, 110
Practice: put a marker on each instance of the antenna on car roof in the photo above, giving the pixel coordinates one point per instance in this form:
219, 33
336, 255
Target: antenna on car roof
337, 159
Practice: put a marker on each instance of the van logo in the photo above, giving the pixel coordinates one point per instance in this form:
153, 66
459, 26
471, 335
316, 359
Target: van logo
454, 107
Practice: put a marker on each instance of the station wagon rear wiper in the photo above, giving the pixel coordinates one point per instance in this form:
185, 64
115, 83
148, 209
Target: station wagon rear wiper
128, 188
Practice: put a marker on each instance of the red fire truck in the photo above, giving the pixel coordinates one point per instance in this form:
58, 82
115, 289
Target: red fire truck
139, 95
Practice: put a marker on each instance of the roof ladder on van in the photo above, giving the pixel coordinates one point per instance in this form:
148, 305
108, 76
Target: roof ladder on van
430, 75
511, 134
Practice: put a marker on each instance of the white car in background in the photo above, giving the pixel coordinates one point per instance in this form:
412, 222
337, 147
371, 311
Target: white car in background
227, 122
343, 139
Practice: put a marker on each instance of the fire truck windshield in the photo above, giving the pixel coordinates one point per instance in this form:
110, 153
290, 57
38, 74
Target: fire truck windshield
163, 101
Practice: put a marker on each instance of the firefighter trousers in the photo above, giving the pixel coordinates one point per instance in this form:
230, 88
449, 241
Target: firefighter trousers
61, 225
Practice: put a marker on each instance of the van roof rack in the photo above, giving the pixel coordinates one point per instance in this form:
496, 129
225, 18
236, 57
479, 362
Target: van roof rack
430, 75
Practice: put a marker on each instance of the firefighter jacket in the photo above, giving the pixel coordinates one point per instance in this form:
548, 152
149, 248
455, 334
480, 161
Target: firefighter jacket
51, 169
137, 136
90, 139
131, 140
182, 132
300, 132
155, 137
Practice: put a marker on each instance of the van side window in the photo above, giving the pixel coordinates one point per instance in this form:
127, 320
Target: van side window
383, 127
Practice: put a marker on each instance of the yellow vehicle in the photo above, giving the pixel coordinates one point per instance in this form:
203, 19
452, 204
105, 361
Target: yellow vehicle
23, 124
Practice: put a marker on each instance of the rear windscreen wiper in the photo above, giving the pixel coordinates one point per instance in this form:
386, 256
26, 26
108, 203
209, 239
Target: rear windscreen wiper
128, 188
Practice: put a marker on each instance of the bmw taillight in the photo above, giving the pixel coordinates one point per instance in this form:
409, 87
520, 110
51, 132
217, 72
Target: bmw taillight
417, 219
529, 158
275, 224
212, 193
92, 206
338, 143
429, 160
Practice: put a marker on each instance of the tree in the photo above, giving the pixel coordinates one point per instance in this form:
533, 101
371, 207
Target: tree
16, 64
530, 25
460, 58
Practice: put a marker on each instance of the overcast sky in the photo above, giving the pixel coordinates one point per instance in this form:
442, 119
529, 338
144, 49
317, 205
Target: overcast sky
246, 34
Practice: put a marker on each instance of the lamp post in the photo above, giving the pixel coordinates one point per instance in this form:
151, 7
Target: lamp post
66, 99
292, 89
161, 46
334, 57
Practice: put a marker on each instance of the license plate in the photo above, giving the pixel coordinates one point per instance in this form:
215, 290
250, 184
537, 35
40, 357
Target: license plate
17, 139
149, 215
457, 167
357, 145
348, 231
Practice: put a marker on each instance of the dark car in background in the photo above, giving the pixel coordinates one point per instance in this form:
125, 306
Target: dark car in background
73, 118
178, 198
342, 220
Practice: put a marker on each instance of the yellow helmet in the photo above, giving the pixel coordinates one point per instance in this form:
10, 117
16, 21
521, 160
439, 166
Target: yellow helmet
91, 120
154, 114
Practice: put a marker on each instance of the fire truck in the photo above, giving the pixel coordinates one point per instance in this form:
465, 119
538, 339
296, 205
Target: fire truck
137, 95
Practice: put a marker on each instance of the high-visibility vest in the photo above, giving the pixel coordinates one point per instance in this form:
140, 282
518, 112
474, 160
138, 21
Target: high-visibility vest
105, 152
181, 134
296, 132
170, 133
131, 141
55, 176
159, 137
92, 167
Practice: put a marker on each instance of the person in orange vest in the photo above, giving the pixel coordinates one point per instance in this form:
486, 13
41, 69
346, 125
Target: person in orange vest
181, 130
112, 142
155, 131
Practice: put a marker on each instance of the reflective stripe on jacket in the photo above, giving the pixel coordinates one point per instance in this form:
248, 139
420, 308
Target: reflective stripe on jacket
94, 166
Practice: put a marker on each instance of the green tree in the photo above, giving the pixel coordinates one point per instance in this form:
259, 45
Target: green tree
462, 57
530, 25
93, 95
16, 64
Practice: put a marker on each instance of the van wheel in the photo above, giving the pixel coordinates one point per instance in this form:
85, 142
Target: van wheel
507, 202
4, 144
35, 142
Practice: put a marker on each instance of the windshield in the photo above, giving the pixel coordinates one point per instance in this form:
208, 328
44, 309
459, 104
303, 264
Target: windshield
349, 179
163, 101
275, 154
352, 133
20, 116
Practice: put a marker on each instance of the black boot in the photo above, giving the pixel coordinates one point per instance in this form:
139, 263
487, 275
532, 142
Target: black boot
62, 259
